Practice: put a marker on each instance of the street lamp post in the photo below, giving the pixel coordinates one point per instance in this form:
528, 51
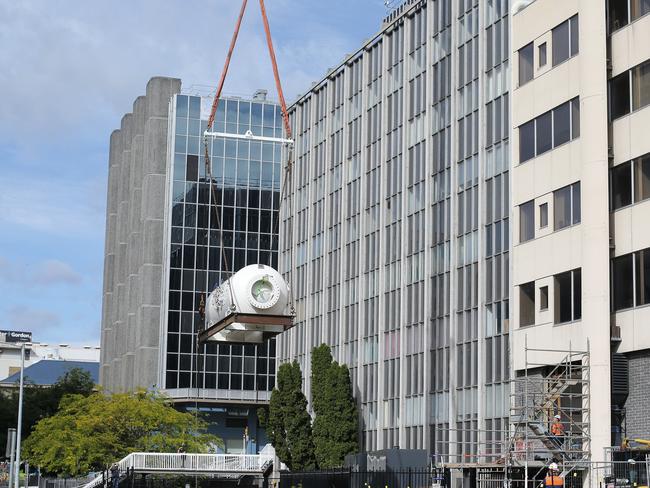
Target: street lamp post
19, 427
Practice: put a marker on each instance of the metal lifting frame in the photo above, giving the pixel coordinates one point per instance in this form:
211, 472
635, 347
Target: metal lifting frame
276, 76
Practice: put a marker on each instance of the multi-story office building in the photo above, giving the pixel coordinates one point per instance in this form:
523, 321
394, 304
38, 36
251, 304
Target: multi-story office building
398, 235
580, 178
166, 248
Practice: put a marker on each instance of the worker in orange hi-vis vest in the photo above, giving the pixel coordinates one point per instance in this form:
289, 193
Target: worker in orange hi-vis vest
553, 478
557, 431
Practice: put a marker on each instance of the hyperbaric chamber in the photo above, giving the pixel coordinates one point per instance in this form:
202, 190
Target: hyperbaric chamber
251, 306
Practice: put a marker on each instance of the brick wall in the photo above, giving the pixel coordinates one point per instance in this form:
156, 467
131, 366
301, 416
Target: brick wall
637, 405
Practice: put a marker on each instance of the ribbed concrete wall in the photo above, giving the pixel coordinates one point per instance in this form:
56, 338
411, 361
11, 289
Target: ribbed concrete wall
134, 242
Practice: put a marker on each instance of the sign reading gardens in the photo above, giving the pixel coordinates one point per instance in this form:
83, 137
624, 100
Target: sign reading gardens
15, 336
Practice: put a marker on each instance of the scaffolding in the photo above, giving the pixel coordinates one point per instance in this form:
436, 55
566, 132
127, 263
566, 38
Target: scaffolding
546, 389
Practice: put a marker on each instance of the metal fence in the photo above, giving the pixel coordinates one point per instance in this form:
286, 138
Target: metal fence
407, 478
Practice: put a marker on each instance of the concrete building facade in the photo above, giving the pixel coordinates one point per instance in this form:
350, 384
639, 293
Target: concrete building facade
168, 243
396, 234
580, 167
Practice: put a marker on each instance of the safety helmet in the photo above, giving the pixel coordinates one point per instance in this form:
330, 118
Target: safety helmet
558, 417
553, 466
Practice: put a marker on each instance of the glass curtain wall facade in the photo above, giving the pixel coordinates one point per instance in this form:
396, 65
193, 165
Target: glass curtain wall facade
247, 181
397, 232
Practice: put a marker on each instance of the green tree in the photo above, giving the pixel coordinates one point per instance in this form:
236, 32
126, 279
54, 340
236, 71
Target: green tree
39, 401
87, 433
336, 421
287, 421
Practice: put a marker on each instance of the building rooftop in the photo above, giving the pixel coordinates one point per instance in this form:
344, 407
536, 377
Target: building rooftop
47, 371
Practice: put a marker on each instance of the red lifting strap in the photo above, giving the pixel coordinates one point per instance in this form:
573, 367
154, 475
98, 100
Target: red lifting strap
276, 74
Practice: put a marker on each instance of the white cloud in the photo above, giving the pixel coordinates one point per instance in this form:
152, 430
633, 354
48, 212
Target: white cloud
71, 64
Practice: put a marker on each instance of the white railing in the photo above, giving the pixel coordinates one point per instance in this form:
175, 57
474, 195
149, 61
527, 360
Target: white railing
190, 463
240, 463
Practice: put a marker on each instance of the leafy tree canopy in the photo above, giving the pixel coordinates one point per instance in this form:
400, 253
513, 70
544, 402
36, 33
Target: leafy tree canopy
87, 433
40, 402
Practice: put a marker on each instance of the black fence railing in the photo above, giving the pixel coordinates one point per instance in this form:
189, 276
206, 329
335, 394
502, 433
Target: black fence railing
344, 478
405, 478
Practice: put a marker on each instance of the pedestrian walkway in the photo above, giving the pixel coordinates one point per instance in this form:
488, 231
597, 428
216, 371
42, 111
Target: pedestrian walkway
230, 465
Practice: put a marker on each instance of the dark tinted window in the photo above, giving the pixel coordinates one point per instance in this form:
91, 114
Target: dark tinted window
563, 297
526, 64
641, 85
568, 296
642, 273
544, 133
575, 203
575, 118
527, 141
621, 186
526, 221
543, 215
622, 283
642, 178
577, 294
574, 34
619, 95
562, 207
541, 51
561, 43
618, 14
561, 124
527, 304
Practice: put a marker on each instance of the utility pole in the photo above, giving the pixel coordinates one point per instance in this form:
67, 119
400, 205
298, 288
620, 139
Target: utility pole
19, 427
11, 451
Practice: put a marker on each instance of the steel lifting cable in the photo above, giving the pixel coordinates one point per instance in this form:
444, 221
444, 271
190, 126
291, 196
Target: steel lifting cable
213, 111
208, 165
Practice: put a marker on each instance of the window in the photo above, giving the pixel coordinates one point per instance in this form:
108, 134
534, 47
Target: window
543, 298
541, 54
562, 127
622, 12
549, 130
566, 206
527, 304
642, 276
619, 95
565, 40
527, 141
526, 64
543, 215
621, 185
642, 178
526, 221
631, 280
568, 296
630, 182
622, 282
618, 14
544, 132
621, 100
640, 85
575, 35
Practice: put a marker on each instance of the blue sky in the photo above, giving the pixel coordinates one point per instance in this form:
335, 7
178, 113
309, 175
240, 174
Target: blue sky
70, 70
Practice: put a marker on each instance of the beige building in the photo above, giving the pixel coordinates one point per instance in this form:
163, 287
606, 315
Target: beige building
580, 184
